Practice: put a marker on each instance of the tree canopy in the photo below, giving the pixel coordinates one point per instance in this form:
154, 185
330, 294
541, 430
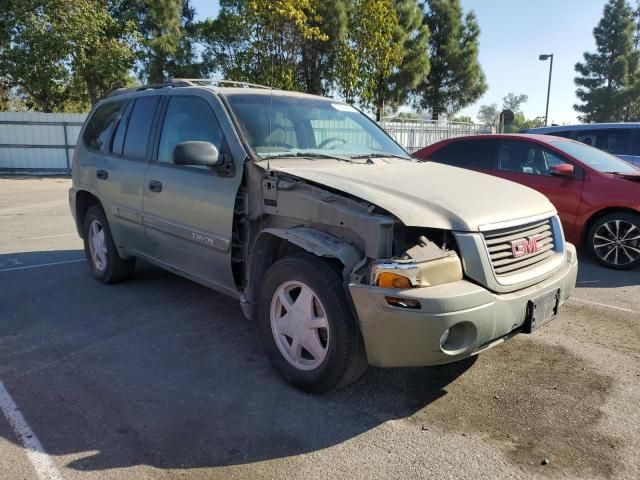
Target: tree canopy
58, 55
607, 79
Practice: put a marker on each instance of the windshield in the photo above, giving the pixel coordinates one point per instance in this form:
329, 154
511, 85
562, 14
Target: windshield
601, 161
282, 125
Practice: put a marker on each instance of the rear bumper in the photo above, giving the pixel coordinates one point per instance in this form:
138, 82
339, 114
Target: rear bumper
401, 337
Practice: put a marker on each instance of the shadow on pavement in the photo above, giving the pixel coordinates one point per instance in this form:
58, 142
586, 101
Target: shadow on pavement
161, 371
591, 274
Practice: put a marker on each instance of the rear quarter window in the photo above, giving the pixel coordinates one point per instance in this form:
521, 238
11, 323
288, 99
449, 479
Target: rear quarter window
98, 131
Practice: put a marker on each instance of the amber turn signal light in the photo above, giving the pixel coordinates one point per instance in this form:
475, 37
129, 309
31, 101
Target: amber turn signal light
393, 280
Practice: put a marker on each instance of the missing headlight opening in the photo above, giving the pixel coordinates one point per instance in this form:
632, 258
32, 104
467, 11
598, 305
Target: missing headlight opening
422, 265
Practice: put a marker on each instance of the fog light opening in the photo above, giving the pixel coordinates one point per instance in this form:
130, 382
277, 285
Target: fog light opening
458, 338
402, 302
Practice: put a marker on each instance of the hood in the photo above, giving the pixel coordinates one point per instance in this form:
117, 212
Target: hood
424, 194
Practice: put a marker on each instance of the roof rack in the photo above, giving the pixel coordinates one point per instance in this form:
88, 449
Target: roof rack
153, 86
212, 82
186, 82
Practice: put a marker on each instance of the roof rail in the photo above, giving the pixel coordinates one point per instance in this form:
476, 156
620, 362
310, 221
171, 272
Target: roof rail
153, 86
222, 82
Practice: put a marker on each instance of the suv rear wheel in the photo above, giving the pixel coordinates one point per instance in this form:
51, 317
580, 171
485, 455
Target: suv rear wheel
105, 263
614, 240
306, 325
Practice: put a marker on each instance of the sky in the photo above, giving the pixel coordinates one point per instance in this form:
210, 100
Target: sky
513, 34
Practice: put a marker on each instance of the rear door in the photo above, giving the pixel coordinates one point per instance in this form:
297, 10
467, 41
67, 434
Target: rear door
188, 210
476, 154
121, 175
529, 163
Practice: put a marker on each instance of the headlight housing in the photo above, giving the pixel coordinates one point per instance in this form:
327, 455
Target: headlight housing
405, 274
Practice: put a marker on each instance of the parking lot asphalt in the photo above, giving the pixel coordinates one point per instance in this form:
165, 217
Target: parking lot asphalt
162, 378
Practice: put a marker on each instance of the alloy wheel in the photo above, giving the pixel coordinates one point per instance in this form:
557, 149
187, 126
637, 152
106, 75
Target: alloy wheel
299, 325
617, 242
97, 245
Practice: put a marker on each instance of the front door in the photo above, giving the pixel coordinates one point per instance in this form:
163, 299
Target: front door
529, 163
188, 210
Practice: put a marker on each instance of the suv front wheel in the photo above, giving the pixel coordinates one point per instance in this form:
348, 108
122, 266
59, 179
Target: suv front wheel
105, 263
614, 240
306, 325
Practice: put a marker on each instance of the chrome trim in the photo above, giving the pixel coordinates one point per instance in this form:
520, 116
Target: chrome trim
539, 271
517, 222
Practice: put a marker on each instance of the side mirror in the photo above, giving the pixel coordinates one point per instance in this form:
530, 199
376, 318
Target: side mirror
197, 153
562, 170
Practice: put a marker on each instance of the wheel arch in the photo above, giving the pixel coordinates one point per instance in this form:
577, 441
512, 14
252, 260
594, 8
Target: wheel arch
274, 243
598, 215
84, 201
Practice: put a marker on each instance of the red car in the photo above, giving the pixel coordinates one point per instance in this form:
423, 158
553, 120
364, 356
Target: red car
596, 194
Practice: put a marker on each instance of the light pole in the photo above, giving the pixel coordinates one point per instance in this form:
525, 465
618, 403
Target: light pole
544, 57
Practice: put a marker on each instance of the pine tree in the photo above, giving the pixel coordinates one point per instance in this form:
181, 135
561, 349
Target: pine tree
413, 37
317, 67
165, 28
456, 78
605, 78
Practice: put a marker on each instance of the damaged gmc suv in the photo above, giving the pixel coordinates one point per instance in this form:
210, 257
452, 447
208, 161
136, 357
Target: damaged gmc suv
343, 250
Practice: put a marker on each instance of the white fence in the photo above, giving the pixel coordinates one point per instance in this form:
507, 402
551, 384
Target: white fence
33, 143
42, 143
416, 134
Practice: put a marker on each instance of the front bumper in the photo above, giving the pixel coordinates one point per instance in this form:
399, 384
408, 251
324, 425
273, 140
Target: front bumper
402, 337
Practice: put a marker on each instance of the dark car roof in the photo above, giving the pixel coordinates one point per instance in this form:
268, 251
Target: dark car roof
584, 126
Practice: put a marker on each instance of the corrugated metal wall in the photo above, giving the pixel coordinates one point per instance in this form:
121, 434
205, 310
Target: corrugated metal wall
32, 142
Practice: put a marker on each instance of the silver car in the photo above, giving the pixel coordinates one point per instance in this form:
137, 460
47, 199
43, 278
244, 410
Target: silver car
344, 250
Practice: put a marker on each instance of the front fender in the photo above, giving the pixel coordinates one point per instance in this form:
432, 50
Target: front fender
320, 243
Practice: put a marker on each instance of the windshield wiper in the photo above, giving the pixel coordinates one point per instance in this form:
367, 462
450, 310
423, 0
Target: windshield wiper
380, 155
309, 155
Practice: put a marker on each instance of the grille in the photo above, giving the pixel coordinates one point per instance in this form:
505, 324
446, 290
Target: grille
499, 244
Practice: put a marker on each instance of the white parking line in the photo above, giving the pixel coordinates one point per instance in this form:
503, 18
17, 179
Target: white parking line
603, 305
52, 236
41, 461
41, 265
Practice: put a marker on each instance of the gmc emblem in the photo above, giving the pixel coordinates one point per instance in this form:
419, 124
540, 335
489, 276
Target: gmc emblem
524, 246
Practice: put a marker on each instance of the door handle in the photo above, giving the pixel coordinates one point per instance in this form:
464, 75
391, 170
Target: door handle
102, 174
155, 186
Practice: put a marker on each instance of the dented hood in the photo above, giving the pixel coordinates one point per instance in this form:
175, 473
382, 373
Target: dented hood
423, 194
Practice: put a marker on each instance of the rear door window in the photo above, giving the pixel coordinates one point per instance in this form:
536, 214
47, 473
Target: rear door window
473, 154
98, 131
139, 127
612, 140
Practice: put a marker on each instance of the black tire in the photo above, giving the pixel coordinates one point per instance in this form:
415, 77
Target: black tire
345, 359
616, 231
115, 269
